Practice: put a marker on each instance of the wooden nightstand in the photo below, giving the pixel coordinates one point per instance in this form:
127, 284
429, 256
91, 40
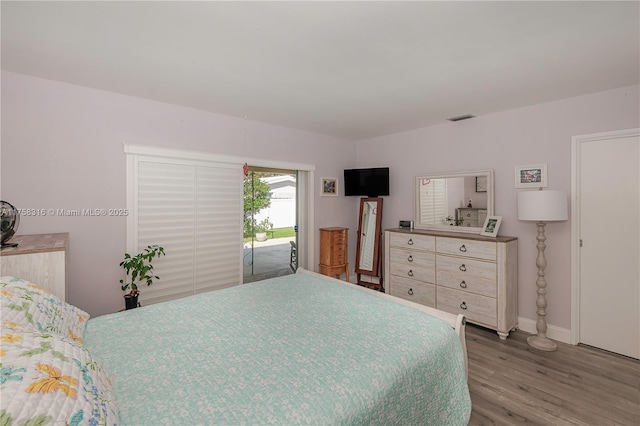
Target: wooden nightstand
333, 251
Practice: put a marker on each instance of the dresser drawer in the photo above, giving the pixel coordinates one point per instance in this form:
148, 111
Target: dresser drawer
413, 290
413, 258
339, 254
417, 273
468, 214
464, 268
468, 248
339, 236
476, 308
339, 242
468, 283
413, 241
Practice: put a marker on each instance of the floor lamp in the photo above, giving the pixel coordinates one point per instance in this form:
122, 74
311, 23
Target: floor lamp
541, 207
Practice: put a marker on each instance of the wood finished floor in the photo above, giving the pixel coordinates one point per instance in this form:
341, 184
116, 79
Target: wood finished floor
513, 383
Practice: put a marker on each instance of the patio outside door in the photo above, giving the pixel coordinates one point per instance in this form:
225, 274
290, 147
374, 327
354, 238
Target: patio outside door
270, 230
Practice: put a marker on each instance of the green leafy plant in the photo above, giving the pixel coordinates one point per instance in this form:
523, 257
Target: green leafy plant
139, 268
252, 226
454, 222
256, 198
263, 226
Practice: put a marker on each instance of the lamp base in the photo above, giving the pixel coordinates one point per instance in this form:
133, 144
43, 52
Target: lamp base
543, 343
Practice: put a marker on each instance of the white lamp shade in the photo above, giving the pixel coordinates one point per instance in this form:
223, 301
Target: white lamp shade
542, 206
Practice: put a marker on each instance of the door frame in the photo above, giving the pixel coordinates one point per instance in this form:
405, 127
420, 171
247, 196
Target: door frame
576, 142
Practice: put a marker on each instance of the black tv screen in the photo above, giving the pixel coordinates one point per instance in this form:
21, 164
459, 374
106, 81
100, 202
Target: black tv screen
372, 182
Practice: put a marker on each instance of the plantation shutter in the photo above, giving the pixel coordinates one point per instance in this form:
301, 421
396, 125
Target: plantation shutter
218, 239
193, 209
433, 200
440, 200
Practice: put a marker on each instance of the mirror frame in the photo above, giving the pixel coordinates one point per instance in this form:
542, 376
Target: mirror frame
376, 262
444, 227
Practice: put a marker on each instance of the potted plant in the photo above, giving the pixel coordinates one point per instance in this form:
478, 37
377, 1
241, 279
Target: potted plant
261, 229
138, 269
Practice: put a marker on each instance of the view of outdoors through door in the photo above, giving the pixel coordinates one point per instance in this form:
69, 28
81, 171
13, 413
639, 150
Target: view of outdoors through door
270, 225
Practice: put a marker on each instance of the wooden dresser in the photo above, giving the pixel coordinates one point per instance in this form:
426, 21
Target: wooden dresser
456, 272
333, 251
40, 259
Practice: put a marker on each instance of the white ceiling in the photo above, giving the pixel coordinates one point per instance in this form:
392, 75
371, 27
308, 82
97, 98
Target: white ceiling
353, 70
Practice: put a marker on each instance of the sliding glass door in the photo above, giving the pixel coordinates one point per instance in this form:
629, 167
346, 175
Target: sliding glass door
270, 223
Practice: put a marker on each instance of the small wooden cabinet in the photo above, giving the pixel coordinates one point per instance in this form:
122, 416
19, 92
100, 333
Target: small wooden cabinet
455, 272
40, 259
333, 252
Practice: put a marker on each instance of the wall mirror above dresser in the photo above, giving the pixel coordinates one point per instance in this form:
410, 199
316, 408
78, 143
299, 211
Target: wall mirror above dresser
456, 201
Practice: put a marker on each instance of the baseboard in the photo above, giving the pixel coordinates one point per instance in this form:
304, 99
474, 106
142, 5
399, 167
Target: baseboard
556, 333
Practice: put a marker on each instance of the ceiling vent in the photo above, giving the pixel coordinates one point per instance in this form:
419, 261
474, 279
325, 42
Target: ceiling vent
461, 117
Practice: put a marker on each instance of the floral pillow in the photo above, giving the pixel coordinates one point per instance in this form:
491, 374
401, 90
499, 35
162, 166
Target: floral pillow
35, 308
47, 379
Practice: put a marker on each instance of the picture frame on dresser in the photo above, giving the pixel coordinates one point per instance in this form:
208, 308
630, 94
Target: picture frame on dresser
491, 226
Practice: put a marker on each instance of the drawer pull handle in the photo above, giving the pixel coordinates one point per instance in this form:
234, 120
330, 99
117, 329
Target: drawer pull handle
463, 305
463, 268
463, 248
410, 258
463, 284
410, 273
410, 242
410, 292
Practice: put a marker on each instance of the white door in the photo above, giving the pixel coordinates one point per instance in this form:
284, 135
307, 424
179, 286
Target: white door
608, 219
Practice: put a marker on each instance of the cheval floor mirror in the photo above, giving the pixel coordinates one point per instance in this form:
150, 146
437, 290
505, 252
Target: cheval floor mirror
369, 245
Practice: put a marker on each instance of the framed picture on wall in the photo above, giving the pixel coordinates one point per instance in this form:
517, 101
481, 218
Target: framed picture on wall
491, 226
531, 176
329, 187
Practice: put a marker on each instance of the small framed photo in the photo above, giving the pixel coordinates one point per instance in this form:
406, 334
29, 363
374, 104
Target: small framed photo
491, 226
481, 184
531, 176
329, 187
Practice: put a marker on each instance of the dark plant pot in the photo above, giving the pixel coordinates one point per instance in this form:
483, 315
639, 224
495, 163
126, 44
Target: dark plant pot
130, 301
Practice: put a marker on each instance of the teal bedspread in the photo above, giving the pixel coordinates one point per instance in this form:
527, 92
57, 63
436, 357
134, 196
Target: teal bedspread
298, 349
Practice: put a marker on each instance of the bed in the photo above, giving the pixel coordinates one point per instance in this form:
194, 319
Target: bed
299, 349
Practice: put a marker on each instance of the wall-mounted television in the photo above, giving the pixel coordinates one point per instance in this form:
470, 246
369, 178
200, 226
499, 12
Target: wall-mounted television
372, 182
